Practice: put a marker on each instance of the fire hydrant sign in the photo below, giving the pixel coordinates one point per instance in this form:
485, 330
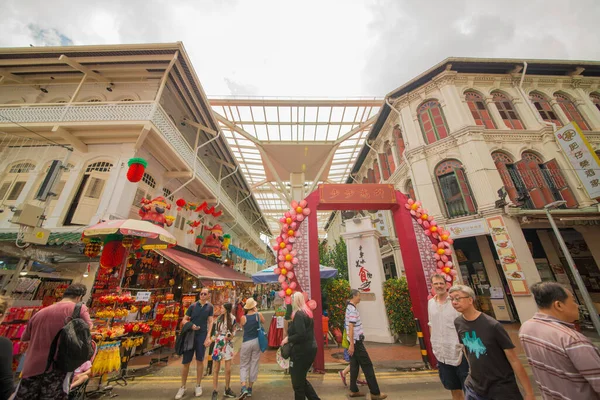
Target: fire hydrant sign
143, 296
581, 156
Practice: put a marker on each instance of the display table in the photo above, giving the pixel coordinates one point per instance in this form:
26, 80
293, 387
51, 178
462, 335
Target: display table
275, 335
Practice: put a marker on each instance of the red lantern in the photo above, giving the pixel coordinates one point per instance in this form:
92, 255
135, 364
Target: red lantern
137, 167
199, 240
112, 254
180, 203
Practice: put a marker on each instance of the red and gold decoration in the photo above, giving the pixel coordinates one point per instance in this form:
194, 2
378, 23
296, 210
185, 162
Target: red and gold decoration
441, 243
154, 211
92, 248
180, 204
137, 167
213, 245
113, 252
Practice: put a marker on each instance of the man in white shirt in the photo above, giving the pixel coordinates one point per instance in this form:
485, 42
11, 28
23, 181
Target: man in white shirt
452, 366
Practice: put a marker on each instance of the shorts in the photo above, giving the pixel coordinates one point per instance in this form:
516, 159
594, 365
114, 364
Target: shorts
199, 348
48, 385
453, 377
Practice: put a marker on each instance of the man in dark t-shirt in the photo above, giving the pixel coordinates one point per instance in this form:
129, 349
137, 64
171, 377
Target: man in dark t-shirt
492, 358
200, 314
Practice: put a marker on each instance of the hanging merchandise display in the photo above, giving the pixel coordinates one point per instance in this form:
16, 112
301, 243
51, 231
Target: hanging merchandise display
108, 358
137, 167
13, 326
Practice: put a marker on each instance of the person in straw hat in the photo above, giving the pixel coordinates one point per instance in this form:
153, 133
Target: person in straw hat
250, 352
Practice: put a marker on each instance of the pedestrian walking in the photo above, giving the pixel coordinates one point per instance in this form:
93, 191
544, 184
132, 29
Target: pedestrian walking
565, 363
6, 355
301, 336
359, 358
223, 351
200, 314
493, 360
453, 368
38, 381
250, 351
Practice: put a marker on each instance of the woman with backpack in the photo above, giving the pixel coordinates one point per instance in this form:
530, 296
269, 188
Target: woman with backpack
250, 352
223, 350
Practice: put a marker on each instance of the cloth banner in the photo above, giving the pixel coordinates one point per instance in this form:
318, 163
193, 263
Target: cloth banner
245, 255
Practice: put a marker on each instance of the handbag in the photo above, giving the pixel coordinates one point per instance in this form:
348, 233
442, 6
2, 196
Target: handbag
262, 336
286, 350
345, 342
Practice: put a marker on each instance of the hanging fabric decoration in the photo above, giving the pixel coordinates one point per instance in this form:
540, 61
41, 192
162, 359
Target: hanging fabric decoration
245, 255
201, 207
217, 214
137, 167
209, 210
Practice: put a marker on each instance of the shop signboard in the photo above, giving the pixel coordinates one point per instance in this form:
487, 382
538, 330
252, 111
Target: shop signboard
476, 227
582, 157
143, 296
508, 257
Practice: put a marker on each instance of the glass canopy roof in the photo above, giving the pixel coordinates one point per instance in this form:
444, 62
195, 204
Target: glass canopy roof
275, 138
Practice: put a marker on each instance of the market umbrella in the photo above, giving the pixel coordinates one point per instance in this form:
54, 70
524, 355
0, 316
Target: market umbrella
267, 275
156, 236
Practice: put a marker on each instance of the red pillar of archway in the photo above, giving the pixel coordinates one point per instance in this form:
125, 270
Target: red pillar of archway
411, 257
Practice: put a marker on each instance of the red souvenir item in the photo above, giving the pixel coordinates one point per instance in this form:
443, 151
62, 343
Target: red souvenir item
112, 254
154, 211
137, 167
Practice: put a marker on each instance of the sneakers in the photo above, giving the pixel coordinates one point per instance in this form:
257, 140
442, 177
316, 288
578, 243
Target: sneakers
198, 391
243, 393
249, 391
229, 393
180, 393
215, 395
343, 378
379, 396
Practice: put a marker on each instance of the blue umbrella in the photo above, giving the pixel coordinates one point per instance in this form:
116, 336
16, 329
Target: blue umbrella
268, 276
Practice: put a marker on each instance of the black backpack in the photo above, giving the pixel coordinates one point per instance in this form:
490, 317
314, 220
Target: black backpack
72, 345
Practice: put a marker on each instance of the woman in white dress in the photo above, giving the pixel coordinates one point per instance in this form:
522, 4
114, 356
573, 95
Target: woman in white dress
223, 351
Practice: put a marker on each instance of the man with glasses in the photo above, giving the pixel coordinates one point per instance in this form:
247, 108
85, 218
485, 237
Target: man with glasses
200, 314
493, 360
452, 366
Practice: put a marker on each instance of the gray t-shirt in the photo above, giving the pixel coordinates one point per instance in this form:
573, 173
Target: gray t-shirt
490, 374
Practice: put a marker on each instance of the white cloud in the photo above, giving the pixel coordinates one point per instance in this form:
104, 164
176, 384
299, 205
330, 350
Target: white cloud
314, 47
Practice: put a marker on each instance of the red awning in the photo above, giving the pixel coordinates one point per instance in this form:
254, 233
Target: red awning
202, 268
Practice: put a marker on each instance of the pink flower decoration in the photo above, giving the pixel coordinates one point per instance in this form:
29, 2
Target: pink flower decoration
277, 271
290, 275
288, 300
284, 285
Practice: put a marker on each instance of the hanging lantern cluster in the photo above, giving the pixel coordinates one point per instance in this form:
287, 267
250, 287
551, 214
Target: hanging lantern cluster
137, 167
286, 255
92, 248
441, 243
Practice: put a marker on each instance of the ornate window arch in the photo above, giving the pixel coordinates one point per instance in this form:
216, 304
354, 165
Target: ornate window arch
479, 109
432, 121
399, 142
99, 166
531, 156
595, 97
455, 190
507, 110
544, 108
570, 110
144, 190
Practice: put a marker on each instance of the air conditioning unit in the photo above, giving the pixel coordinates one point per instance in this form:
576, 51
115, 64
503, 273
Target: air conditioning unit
50, 180
27, 215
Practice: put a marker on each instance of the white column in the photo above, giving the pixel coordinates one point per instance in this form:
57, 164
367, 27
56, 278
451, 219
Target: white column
493, 110
480, 169
526, 114
587, 108
525, 305
454, 109
559, 112
424, 185
362, 243
297, 180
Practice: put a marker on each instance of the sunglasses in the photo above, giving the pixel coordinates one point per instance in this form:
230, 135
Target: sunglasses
203, 294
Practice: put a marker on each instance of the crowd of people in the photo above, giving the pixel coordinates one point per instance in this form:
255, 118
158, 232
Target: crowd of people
476, 357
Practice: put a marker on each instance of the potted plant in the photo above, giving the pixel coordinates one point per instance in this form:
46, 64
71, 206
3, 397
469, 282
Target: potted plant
399, 311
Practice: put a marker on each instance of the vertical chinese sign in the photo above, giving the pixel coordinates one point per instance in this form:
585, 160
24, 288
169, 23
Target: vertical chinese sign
508, 257
364, 274
580, 154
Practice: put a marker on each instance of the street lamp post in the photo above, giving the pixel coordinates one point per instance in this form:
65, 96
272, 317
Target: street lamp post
584, 293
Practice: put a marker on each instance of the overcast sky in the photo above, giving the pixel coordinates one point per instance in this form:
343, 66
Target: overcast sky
314, 48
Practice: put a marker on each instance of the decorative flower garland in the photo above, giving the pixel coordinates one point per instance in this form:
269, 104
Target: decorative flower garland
286, 255
440, 240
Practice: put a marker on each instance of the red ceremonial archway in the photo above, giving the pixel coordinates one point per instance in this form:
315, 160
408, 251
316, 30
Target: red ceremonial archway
369, 197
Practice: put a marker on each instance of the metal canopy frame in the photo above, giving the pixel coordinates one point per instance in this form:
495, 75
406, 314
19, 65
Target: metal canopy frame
251, 124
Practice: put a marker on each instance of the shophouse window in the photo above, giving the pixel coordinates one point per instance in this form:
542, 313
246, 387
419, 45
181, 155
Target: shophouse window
455, 190
432, 121
544, 181
376, 172
371, 175
144, 190
571, 111
14, 181
479, 110
544, 108
399, 140
513, 183
387, 161
595, 97
89, 193
507, 111
166, 193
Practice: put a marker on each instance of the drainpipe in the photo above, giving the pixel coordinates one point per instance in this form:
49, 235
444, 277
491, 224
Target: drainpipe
528, 101
410, 170
196, 162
